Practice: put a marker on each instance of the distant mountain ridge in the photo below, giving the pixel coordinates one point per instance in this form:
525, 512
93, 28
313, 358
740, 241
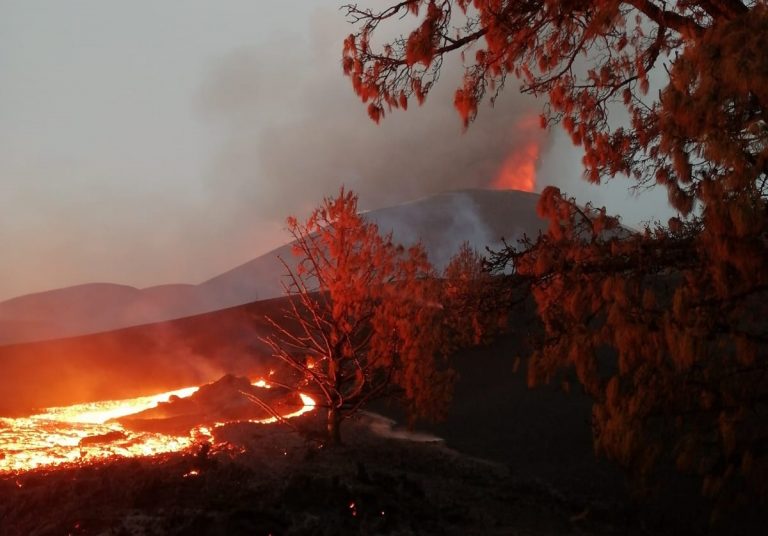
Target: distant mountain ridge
442, 222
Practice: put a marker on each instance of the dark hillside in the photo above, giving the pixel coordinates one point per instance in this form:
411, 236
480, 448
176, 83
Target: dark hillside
136, 360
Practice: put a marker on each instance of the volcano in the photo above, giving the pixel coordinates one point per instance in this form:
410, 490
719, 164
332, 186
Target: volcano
442, 222
103, 341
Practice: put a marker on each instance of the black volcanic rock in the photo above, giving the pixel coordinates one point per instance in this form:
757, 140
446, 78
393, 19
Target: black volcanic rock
109, 437
228, 399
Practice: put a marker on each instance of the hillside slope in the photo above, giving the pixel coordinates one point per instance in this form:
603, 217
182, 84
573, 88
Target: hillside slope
442, 222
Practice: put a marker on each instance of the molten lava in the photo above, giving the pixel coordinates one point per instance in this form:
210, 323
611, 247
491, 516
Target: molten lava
518, 172
86, 432
519, 169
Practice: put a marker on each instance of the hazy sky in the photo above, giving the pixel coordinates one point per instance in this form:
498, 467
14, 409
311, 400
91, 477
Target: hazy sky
157, 141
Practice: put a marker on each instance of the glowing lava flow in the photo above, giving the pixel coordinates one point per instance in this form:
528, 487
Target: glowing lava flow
83, 432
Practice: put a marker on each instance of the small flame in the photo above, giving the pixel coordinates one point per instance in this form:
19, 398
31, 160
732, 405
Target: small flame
308, 401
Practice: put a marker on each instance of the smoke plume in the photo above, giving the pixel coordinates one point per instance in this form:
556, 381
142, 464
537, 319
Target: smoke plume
293, 131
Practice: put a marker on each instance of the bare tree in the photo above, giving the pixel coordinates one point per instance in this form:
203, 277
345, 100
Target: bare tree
363, 321
664, 329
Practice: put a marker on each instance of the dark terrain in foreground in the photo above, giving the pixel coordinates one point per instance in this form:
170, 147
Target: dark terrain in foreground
281, 479
542, 476
272, 480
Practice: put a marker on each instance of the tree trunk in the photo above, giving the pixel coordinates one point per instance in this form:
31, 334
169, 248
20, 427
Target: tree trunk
334, 426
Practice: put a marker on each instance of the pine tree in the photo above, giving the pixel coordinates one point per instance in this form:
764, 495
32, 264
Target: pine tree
666, 335
588, 59
665, 329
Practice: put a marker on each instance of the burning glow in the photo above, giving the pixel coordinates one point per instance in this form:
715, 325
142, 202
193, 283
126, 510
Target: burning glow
84, 432
518, 172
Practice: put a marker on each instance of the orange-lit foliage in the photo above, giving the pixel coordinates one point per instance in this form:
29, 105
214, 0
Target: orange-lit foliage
665, 330
586, 58
475, 302
364, 320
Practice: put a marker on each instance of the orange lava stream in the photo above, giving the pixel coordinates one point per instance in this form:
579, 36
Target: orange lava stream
84, 432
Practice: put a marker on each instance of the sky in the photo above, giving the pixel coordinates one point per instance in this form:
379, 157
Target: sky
151, 142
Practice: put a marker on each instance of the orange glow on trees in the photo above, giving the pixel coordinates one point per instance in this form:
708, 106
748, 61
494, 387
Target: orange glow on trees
474, 301
672, 353
665, 329
364, 321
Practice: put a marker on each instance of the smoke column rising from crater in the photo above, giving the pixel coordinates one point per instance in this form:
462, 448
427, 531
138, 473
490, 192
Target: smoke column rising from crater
293, 131
243, 117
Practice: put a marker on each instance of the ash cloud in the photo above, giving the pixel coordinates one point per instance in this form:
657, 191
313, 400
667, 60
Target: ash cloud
294, 131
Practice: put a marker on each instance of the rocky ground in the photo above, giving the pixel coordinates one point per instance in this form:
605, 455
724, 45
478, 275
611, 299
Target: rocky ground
513, 461
269, 479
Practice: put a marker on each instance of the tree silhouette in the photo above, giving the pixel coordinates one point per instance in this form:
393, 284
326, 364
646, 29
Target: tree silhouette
364, 320
475, 302
666, 328
673, 355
